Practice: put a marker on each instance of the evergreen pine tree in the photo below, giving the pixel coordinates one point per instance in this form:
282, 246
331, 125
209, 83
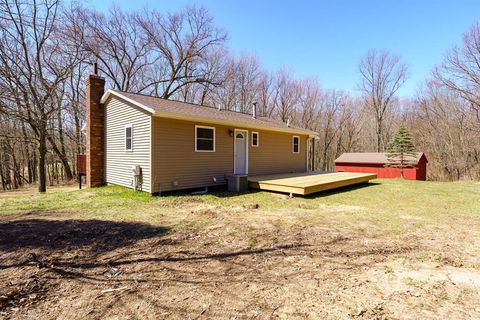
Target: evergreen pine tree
401, 151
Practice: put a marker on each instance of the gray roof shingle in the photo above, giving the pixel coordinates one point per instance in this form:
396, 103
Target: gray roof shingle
174, 109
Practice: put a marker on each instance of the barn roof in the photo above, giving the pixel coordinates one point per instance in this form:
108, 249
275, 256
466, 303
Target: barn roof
193, 112
371, 157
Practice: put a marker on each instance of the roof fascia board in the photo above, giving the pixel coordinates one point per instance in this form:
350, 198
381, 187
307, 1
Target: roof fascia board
360, 162
107, 94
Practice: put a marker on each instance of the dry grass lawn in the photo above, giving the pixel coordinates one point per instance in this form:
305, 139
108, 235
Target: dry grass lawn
390, 249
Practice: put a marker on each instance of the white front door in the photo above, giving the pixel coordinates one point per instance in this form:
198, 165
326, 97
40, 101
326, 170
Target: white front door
241, 152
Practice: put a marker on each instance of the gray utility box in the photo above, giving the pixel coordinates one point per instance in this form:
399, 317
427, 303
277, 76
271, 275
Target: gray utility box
237, 183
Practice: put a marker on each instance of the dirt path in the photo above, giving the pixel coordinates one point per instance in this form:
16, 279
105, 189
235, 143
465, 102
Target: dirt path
53, 267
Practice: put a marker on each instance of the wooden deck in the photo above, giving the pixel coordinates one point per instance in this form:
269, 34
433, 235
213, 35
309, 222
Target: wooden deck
309, 182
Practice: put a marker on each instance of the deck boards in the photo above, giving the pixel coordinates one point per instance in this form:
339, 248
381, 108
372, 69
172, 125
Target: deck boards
306, 183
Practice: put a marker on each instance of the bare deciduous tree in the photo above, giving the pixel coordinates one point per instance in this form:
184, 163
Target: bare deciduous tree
442, 130
331, 107
287, 95
34, 63
203, 93
382, 75
119, 45
181, 42
460, 70
309, 103
265, 94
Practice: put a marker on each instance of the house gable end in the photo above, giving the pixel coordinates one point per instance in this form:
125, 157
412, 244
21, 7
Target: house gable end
119, 161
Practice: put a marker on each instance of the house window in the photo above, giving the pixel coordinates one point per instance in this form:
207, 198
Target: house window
296, 144
255, 141
204, 139
128, 138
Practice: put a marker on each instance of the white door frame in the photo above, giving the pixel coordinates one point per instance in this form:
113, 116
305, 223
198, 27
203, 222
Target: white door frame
245, 132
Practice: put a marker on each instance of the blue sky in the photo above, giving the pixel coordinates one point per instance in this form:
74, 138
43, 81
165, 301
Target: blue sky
327, 39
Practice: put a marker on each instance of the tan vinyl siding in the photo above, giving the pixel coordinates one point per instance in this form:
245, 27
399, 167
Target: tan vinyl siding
174, 157
119, 162
274, 154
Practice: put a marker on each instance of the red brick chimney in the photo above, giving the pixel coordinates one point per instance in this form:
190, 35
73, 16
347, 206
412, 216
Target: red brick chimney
95, 131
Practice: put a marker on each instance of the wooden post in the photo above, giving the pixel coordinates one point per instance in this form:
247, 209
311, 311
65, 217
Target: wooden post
313, 154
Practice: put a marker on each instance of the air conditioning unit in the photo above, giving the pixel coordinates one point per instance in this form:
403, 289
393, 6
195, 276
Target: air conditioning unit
237, 183
136, 170
137, 177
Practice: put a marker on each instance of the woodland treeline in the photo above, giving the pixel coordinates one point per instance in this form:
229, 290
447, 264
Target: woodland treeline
47, 49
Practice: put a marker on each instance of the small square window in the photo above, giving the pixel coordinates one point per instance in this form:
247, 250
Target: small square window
296, 144
255, 139
128, 138
204, 139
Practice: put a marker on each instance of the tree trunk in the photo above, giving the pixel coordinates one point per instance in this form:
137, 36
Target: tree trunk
42, 152
2, 173
379, 136
402, 165
78, 132
30, 169
63, 157
27, 154
34, 166
14, 169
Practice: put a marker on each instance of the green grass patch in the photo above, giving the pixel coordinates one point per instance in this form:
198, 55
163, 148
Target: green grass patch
390, 206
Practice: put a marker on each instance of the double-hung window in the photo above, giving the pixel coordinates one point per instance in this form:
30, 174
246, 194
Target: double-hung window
255, 139
204, 139
129, 138
296, 144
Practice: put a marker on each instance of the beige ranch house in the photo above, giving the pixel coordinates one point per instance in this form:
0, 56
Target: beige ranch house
157, 145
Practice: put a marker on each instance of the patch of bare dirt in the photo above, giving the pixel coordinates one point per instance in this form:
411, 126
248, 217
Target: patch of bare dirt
181, 202
53, 267
24, 293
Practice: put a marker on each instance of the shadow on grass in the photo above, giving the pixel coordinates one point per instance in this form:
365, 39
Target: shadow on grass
94, 235
89, 249
219, 191
84, 249
89, 244
227, 194
341, 190
320, 194
187, 258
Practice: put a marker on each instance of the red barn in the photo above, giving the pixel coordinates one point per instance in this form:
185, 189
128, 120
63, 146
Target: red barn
375, 162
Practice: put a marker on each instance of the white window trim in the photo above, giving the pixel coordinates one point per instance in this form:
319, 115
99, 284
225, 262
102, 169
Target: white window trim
293, 144
258, 139
125, 137
214, 138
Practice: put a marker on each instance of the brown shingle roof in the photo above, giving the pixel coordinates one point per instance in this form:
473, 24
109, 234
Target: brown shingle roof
182, 110
369, 157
